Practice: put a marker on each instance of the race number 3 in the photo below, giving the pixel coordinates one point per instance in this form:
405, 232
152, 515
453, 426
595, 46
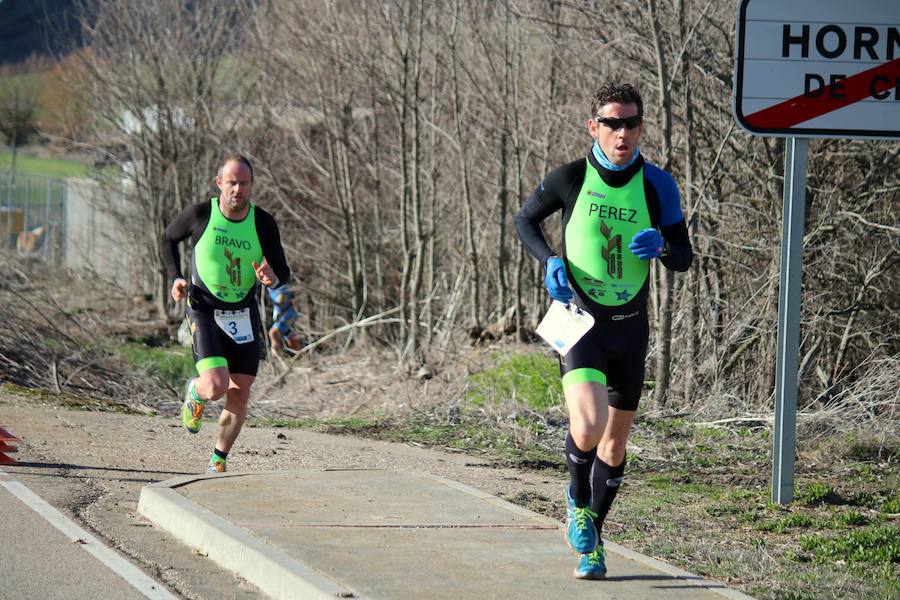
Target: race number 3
236, 324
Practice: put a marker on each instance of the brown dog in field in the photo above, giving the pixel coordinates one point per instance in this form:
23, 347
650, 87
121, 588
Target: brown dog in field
30, 241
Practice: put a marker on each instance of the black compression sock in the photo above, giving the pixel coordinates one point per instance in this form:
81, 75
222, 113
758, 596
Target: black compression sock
579, 463
607, 481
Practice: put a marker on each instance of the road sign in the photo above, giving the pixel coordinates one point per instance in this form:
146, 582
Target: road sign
818, 68
810, 68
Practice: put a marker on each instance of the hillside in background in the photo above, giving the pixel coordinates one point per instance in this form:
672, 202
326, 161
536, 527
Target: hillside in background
29, 27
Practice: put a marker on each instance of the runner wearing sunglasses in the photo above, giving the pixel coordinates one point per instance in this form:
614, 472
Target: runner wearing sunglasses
618, 213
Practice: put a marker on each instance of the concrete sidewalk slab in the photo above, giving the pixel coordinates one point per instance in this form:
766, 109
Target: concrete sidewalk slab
377, 533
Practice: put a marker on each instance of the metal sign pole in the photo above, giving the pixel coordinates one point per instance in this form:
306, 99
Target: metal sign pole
788, 346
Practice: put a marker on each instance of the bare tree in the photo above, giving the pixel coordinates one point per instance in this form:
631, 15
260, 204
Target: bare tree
164, 103
663, 278
18, 108
396, 139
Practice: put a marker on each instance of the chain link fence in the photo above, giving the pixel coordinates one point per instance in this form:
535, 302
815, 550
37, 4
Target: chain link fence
33, 216
74, 223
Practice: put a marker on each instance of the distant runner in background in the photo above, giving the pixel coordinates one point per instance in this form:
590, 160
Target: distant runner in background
235, 245
284, 316
618, 214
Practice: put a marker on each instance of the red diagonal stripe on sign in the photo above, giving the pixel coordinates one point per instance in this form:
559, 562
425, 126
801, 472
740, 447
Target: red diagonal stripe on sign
803, 108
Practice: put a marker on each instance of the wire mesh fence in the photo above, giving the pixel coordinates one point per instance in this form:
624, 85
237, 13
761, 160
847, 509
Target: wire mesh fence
33, 216
74, 223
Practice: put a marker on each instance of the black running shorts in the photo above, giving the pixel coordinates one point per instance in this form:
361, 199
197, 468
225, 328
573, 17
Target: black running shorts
612, 353
213, 347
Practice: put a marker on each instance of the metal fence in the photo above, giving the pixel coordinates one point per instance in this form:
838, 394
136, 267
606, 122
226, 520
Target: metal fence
76, 224
33, 215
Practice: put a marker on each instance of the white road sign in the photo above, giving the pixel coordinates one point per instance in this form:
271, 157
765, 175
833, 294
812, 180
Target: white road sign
818, 68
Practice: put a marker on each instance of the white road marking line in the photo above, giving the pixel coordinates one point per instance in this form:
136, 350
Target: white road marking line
95, 547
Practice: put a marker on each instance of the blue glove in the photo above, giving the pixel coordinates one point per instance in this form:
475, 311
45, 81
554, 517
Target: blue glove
647, 244
556, 281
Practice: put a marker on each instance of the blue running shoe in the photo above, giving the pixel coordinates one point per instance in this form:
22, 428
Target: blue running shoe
593, 565
581, 534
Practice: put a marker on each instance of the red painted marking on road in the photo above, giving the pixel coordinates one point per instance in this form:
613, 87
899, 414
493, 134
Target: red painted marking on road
803, 108
6, 436
5, 447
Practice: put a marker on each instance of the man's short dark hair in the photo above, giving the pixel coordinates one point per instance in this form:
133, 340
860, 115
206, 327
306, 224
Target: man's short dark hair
611, 92
236, 158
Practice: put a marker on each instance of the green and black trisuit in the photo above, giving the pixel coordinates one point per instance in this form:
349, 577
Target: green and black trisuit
222, 303
602, 209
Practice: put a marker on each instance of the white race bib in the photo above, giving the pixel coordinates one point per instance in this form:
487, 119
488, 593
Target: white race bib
564, 325
236, 324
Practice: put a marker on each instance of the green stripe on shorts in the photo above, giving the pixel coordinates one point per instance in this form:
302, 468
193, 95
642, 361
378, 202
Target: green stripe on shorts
211, 362
582, 375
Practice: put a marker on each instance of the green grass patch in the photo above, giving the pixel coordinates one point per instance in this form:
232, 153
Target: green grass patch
792, 521
868, 499
743, 494
891, 506
749, 516
874, 545
711, 433
669, 428
816, 493
44, 167
680, 489
846, 519
867, 472
532, 379
170, 365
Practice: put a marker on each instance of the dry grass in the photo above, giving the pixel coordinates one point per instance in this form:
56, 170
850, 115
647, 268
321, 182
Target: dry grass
52, 333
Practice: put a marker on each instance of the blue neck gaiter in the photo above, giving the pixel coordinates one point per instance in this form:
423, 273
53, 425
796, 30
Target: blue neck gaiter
604, 162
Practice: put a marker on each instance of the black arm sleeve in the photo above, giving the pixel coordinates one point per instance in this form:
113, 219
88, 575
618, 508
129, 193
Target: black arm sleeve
543, 202
680, 253
270, 239
178, 230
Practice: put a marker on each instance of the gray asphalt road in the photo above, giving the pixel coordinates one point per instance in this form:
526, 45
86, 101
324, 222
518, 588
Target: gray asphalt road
39, 561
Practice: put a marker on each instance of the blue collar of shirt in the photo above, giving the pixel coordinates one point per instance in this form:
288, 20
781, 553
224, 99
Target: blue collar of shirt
604, 162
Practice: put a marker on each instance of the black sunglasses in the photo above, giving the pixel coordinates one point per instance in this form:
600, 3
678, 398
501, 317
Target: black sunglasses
615, 124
